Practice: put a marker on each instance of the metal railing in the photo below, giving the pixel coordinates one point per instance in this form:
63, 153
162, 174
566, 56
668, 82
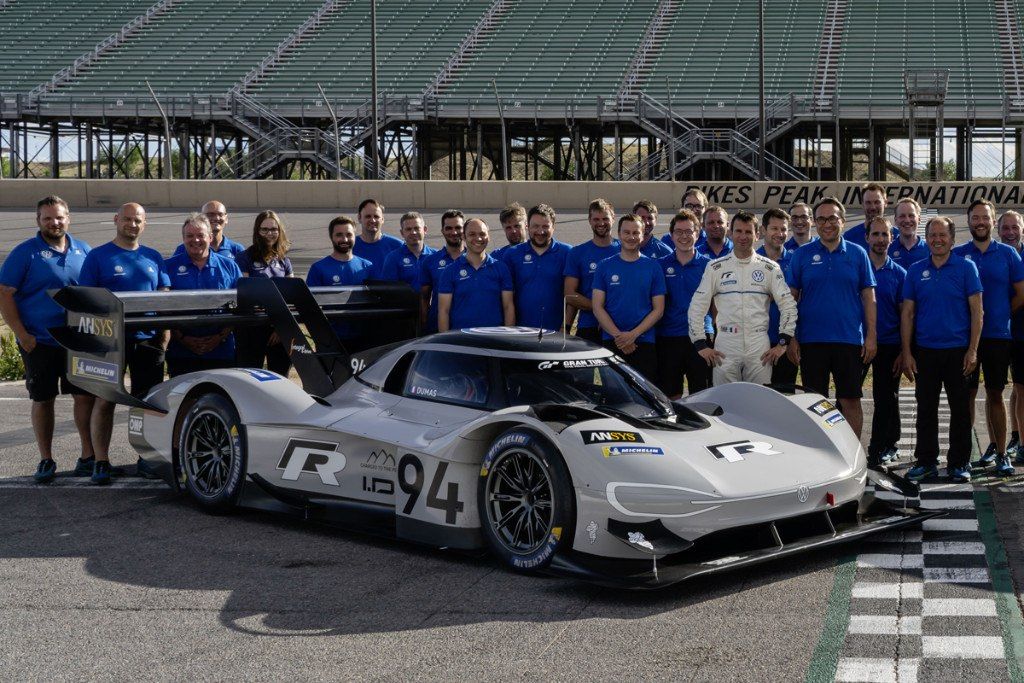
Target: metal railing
490, 17
665, 11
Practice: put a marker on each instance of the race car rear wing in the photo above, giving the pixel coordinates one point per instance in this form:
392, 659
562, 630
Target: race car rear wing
98, 322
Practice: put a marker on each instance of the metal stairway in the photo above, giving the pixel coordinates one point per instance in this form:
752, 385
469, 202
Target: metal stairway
826, 77
685, 144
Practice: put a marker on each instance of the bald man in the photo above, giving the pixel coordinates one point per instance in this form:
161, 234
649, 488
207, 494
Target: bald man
124, 265
217, 214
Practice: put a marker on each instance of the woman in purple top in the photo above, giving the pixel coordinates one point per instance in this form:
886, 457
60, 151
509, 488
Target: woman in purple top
267, 257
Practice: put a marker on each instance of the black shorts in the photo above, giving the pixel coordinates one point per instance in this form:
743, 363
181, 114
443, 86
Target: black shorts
1017, 361
994, 362
46, 372
841, 361
591, 334
677, 358
145, 365
644, 359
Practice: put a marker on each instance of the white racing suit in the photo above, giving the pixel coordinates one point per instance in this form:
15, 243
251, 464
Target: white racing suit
741, 290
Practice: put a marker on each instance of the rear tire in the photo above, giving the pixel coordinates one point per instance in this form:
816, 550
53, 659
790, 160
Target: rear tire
212, 453
526, 502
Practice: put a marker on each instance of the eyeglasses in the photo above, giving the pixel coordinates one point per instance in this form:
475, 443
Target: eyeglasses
829, 220
797, 217
269, 231
693, 207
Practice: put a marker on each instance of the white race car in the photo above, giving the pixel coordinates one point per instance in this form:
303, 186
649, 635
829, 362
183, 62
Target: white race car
547, 450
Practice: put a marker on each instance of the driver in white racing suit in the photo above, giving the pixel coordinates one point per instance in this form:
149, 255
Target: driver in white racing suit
741, 285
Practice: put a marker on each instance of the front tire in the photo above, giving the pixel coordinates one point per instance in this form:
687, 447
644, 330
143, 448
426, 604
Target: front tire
527, 507
212, 453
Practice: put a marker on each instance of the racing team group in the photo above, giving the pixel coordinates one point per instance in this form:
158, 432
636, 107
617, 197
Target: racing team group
698, 306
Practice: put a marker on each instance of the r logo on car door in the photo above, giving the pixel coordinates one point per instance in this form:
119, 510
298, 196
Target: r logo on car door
314, 457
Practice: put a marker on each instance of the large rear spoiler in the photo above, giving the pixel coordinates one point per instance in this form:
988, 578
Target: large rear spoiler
98, 321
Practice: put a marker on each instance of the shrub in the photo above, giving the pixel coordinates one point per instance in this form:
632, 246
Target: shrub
11, 366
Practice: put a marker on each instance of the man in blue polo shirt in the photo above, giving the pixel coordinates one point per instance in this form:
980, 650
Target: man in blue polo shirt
404, 264
580, 267
1002, 276
800, 217
125, 265
453, 224
874, 201
201, 348
340, 268
50, 260
885, 386
1010, 226
716, 242
629, 299
683, 270
908, 248
695, 201
476, 289
513, 222
537, 266
372, 243
833, 283
774, 231
217, 214
940, 331
651, 247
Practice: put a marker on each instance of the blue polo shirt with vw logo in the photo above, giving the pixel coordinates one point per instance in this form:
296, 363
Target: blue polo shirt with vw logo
539, 283
830, 309
125, 270
219, 272
902, 256
581, 263
431, 268
404, 266
34, 267
1000, 268
476, 292
680, 284
942, 314
628, 287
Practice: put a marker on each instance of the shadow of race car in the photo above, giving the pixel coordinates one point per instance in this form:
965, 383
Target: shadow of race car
545, 449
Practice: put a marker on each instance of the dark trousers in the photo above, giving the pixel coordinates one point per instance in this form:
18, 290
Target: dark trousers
784, 373
253, 347
644, 360
938, 368
181, 366
885, 389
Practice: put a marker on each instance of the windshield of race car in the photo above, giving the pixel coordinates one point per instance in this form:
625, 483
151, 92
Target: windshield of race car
591, 381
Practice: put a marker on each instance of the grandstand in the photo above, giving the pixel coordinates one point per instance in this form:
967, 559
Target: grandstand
562, 89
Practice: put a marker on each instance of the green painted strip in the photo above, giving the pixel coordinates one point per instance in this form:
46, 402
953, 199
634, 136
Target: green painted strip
1002, 583
837, 620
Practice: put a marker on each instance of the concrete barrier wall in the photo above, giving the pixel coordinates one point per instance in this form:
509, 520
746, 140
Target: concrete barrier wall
471, 194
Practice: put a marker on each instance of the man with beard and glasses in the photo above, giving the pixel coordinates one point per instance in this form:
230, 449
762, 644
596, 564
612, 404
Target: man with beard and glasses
513, 221
740, 285
580, 267
908, 248
125, 265
50, 260
405, 264
683, 269
800, 222
885, 385
628, 299
217, 214
696, 202
650, 247
774, 231
1010, 226
1002, 276
431, 267
538, 267
476, 289
372, 243
342, 267
833, 283
940, 329
716, 242
874, 202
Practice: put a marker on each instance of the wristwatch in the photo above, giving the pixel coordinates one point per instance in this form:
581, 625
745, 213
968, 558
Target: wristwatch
784, 340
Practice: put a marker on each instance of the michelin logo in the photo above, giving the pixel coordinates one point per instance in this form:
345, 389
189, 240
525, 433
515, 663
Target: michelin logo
95, 369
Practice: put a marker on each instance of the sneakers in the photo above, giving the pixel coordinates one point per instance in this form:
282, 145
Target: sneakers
1011, 448
988, 457
919, 472
101, 472
144, 470
1003, 466
960, 475
46, 471
83, 468
890, 454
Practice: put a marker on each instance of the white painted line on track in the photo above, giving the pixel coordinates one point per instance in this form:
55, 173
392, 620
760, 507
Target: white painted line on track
963, 647
885, 625
889, 561
941, 524
959, 607
862, 669
81, 483
888, 591
953, 548
955, 575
